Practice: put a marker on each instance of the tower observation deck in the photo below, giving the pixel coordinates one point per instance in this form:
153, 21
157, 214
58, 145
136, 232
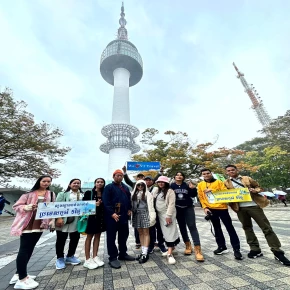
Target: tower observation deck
121, 66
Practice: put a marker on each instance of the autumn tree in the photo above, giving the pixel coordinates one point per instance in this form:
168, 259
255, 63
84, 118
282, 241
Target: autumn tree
27, 149
179, 153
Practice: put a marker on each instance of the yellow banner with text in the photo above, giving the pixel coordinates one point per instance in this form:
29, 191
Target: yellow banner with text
230, 195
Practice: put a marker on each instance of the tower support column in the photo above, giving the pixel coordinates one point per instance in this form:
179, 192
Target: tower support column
121, 104
117, 159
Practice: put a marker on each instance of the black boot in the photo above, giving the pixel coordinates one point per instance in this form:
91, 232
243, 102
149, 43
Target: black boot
281, 258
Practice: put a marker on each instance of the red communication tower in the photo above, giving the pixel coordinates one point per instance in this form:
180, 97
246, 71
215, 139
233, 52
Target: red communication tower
257, 103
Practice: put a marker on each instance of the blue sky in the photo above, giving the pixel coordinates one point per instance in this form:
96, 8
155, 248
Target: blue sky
50, 53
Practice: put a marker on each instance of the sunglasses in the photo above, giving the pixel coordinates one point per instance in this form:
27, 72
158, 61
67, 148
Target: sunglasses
140, 184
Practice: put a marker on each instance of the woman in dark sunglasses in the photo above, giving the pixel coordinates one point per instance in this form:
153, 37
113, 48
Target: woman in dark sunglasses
144, 216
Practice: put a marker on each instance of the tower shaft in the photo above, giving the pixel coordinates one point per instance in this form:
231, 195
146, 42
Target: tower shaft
257, 103
121, 105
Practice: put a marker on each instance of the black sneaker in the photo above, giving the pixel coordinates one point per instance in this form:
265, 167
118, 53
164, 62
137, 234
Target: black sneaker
254, 254
138, 257
238, 255
127, 258
220, 251
144, 258
281, 258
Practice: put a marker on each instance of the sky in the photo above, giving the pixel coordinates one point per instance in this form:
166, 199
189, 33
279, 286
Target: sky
50, 57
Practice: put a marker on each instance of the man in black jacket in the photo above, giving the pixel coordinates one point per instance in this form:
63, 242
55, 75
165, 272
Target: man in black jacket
117, 203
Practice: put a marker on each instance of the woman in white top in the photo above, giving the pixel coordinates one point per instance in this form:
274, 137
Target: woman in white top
65, 226
166, 211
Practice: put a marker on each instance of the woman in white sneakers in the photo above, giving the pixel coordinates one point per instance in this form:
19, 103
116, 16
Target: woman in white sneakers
144, 216
95, 226
165, 207
29, 229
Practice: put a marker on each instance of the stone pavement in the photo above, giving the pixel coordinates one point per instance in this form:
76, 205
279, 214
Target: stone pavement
217, 272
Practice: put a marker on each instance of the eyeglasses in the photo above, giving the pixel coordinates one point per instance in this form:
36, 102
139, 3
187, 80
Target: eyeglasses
140, 184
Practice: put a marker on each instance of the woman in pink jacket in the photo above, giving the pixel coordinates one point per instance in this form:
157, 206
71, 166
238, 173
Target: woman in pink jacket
29, 229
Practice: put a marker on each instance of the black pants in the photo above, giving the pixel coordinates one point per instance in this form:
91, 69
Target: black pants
152, 231
60, 243
123, 233
27, 245
223, 215
186, 219
136, 234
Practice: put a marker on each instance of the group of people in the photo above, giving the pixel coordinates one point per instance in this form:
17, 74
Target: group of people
155, 207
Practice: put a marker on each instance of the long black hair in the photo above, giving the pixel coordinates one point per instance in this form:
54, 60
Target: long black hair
69, 188
164, 190
36, 186
102, 189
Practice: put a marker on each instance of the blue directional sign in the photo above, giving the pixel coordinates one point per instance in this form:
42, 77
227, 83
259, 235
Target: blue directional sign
143, 166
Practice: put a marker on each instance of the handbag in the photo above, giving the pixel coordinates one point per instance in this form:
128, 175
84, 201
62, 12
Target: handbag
83, 221
82, 224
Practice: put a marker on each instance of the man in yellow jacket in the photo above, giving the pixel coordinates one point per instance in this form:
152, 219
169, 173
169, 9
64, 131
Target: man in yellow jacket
217, 212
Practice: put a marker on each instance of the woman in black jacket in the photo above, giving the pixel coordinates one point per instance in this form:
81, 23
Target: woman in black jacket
96, 225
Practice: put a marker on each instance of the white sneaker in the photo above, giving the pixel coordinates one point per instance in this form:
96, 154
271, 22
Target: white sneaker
90, 264
171, 260
15, 278
98, 261
26, 284
164, 254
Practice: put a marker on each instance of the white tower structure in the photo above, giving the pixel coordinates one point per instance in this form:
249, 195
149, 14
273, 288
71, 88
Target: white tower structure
121, 66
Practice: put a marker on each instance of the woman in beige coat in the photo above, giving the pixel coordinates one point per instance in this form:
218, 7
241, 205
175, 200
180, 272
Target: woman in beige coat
144, 216
166, 211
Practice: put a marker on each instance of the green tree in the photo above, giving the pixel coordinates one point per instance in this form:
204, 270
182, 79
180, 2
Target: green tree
273, 166
27, 149
179, 153
278, 132
56, 188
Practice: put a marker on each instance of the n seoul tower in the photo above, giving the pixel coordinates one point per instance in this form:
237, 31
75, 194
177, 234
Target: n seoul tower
121, 66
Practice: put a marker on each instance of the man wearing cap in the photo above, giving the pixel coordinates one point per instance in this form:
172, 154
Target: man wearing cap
117, 203
150, 185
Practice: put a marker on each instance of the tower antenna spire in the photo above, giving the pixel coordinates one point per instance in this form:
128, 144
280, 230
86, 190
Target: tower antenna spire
257, 103
122, 31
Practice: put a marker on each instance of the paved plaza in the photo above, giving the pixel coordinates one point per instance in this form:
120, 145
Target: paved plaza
217, 272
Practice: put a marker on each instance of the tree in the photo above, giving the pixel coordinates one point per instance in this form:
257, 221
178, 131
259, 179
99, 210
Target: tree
56, 188
273, 166
179, 153
255, 144
278, 132
27, 149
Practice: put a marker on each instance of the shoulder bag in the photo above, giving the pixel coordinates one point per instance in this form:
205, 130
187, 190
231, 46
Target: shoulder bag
83, 221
